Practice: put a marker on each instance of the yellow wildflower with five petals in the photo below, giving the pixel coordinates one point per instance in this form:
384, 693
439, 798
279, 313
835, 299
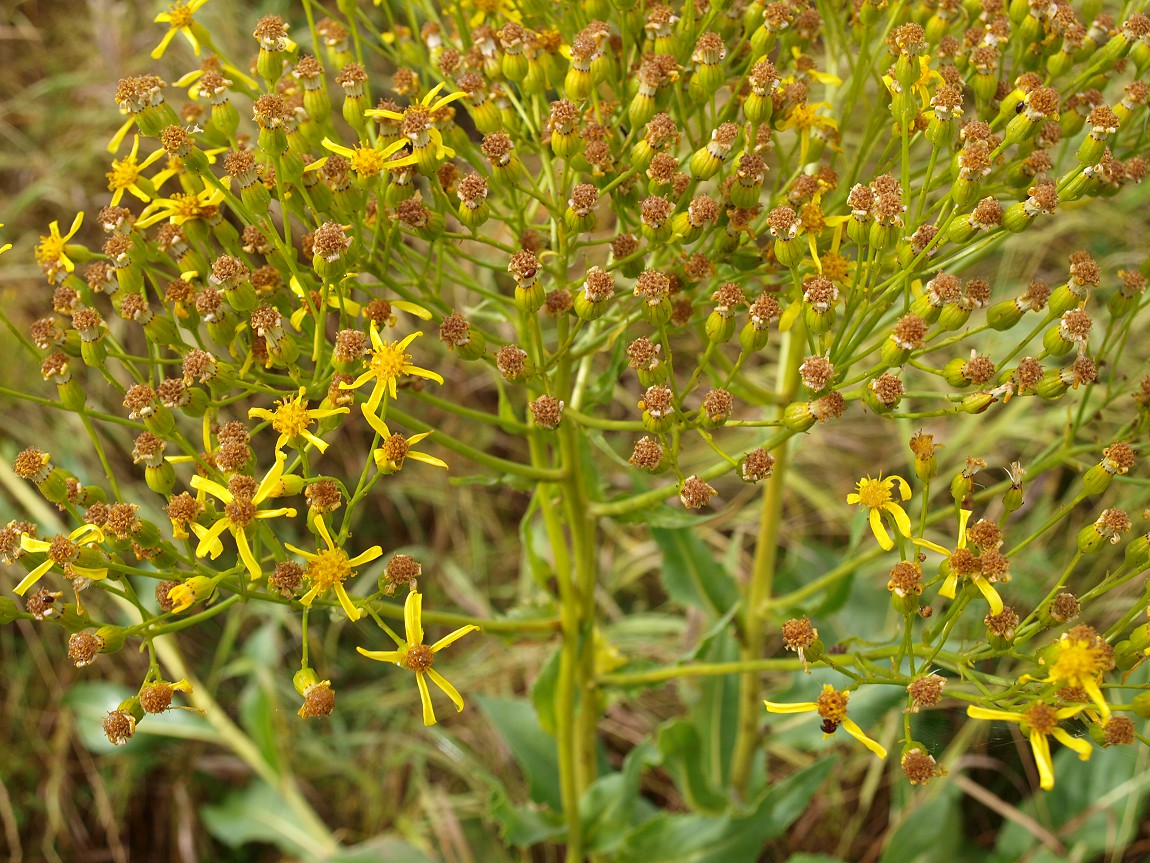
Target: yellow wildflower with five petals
1040, 722
416, 656
51, 251
125, 175
831, 705
877, 495
389, 361
179, 20
240, 512
329, 568
963, 562
64, 552
292, 417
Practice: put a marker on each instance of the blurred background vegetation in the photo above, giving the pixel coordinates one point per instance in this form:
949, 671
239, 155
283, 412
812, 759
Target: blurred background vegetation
251, 782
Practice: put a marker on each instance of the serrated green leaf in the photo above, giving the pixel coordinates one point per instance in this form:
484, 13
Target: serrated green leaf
691, 574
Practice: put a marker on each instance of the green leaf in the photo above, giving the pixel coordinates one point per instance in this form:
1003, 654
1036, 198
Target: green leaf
259, 813
389, 848
608, 809
533, 748
910, 842
673, 838
715, 713
691, 574
523, 826
543, 692
682, 751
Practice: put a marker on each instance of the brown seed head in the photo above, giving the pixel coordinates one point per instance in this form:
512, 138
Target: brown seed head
122, 520
1002, 624
623, 246
1028, 373
547, 411
653, 286
43, 604
647, 455
695, 493
717, 405
402, 569
655, 210
799, 634
919, 766
1065, 607
643, 354
156, 697
524, 266
1119, 731
583, 198
84, 647
926, 691
978, 369
829, 407
323, 496
119, 726
455, 331
658, 401
511, 362
817, 373
286, 578
757, 465
318, 700
888, 389
820, 293
987, 214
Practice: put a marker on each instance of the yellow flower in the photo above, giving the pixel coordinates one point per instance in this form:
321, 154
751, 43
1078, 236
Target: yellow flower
832, 707
125, 175
417, 124
329, 568
181, 208
877, 496
179, 20
63, 551
187, 593
292, 417
416, 656
369, 161
50, 251
1079, 663
962, 562
1040, 721
396, 448
6, 246
388, 361
239, 513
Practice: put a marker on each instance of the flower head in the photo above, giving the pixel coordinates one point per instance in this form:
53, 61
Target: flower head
327, 569
963, 562
416, 656
389, 360
877, 495
63, 551
396, 448
1040, 721
240, 511
125, 174
179, 20
292, 418
831, 705
50, 251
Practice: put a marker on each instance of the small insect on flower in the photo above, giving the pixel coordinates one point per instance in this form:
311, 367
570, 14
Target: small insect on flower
831, 705
877, 496
416, 656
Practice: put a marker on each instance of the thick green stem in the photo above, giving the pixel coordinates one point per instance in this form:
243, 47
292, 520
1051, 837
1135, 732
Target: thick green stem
762, 578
